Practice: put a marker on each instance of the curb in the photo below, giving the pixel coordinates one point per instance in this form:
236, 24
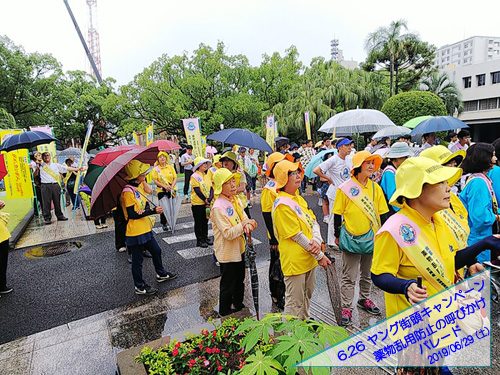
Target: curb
20, 228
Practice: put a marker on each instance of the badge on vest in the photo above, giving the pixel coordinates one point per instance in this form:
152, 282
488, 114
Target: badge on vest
229, 211
354, 191
407, 233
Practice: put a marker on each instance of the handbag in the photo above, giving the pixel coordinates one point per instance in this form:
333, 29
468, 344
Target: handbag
362, 244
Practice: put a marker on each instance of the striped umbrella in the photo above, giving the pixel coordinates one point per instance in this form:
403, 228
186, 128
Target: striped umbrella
254, 277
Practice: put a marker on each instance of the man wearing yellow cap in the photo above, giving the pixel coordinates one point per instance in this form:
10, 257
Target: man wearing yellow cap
267, 198
299, 237
230, 224
165, 178
139, 234
202, 194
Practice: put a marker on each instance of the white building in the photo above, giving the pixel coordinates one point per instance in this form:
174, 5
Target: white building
474, 65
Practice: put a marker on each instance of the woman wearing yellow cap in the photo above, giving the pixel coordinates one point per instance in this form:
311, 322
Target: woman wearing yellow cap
267, 198
358, 210
299, 239
230, 161
139, 234
216, 164
230, 223
165, 178
202, 194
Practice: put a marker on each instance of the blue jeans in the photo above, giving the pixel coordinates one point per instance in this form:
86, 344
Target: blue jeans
137, 258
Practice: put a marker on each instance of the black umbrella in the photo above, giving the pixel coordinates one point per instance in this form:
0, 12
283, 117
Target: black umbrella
332, 282
254, 277
27, 139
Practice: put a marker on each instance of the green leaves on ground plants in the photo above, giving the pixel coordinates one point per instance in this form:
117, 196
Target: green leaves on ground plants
260, 364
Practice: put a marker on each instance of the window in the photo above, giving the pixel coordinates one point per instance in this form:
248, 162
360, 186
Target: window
481, 79
492, 103
470, 106
495, 77
467, 82
483, 104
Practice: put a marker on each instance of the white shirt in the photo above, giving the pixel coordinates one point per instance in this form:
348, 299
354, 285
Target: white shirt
185, 158
56, 167
457, 146
338, 170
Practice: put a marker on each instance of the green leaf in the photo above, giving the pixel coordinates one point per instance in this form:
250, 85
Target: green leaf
259, 364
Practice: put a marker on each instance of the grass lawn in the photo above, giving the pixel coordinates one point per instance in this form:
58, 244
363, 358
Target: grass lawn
17, 208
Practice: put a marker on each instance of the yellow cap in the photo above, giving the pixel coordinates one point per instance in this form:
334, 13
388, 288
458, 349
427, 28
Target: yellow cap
230, 155
221, 176
360, 157
162, 153
413, 173
272, 160
135, 168
281, 172
442, 155
216, 158
199, 161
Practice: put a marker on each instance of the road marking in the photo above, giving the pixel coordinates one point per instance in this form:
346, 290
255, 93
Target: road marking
183, 237
197, 252
181, 226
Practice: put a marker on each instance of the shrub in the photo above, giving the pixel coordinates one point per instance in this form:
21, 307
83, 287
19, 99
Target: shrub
407, 105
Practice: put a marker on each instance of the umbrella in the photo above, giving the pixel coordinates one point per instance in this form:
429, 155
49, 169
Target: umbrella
241, 137
93, 172
254, 277
111, 181
165, 145
210, 150
171, 208
315, 161
27, 139
333, 285
356, 121
438, 124
3, 168
415, 121
106, 156
72, 151
391, 132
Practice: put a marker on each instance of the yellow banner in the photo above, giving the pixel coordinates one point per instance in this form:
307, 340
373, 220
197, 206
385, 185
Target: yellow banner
270, 131
308, 125
204, 145
136, 138
49, 147
193, 135
18, 180
149, 135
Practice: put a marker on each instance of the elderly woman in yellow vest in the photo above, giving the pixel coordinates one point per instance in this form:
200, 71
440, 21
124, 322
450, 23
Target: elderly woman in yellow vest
230, 223
4, 250
165, 178
216, 164
267, 198
358, 209
139, 234
202, 194
230, 161
299, 238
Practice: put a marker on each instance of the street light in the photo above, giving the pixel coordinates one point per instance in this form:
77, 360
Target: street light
221, 126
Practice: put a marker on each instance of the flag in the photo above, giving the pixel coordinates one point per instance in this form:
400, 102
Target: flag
18, 181
149, 135
136, 138
193, 135
270, 130
79, 177
308, 125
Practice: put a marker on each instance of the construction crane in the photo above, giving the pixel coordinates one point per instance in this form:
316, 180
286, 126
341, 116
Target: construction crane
92, 61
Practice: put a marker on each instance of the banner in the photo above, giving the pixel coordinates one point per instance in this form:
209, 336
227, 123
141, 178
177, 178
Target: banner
270, 131
17, 182
149, 135
308, 125
79, 177
204, 145
136, 138
49, 147
193, 135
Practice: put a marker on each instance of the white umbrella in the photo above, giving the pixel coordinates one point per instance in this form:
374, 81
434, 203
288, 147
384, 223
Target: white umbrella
356, 121
391, 132
171, 208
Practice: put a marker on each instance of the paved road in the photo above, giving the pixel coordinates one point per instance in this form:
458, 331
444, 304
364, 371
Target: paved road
51, 291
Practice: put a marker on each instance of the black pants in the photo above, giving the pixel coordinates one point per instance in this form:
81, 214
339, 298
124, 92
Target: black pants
4, 257
100, 220
276, 280
200, 223
161, 194
137, 258
187, 178
232, 287
51, 193
120, 227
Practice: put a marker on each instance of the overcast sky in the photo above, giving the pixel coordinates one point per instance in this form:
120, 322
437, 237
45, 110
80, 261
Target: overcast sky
133, 33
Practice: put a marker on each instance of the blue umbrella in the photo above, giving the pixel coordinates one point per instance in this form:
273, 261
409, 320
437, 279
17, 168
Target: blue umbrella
438, 124
315, 161
26, 139
241, 137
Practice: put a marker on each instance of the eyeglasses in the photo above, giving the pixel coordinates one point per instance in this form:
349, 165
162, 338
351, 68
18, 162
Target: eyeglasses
294, 173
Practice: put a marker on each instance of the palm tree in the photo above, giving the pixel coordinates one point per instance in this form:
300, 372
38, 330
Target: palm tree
441, 85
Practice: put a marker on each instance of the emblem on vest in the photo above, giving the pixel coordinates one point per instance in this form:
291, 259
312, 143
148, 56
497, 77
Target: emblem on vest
298, 210
354, 191
407, 233
271, 184
229, 211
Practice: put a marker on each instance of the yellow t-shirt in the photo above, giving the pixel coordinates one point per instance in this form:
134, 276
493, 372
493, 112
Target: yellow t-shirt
388, 257
240, 178
210, 173
135, 227
294, 259
201, 180
164, 174
460, 211
4, 232
356, 222
267, 198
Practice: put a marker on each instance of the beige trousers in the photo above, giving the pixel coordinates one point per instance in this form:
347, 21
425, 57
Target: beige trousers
298, 293
352, 266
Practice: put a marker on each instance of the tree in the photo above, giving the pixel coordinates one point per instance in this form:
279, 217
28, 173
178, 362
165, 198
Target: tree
407, 105
7, 121
403, 55
440, 84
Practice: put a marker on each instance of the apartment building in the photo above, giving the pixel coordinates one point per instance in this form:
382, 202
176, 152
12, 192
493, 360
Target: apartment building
474, 65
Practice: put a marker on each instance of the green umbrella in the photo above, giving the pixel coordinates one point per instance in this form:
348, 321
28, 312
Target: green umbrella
415, 121
93, 172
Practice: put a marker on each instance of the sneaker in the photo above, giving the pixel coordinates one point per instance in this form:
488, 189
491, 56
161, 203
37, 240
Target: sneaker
201, 244
146, 290
104, 226
346, 317
209, 241
6, 290
47, 222
167, 276
165, 228
146, 254
122, 249
326, 219
217, 263
369, 306
63, 218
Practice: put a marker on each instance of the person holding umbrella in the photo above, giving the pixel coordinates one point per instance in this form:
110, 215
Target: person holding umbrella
139, 234
230, 224
299, 237
202, 194
165, 178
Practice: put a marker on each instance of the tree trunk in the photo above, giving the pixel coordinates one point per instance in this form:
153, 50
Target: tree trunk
396, 79
391, 76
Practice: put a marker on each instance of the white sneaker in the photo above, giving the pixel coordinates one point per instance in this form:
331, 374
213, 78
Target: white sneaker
122, 249
326, 219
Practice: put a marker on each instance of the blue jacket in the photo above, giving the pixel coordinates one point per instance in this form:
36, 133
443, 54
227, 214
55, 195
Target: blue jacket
388, 185
494, 176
